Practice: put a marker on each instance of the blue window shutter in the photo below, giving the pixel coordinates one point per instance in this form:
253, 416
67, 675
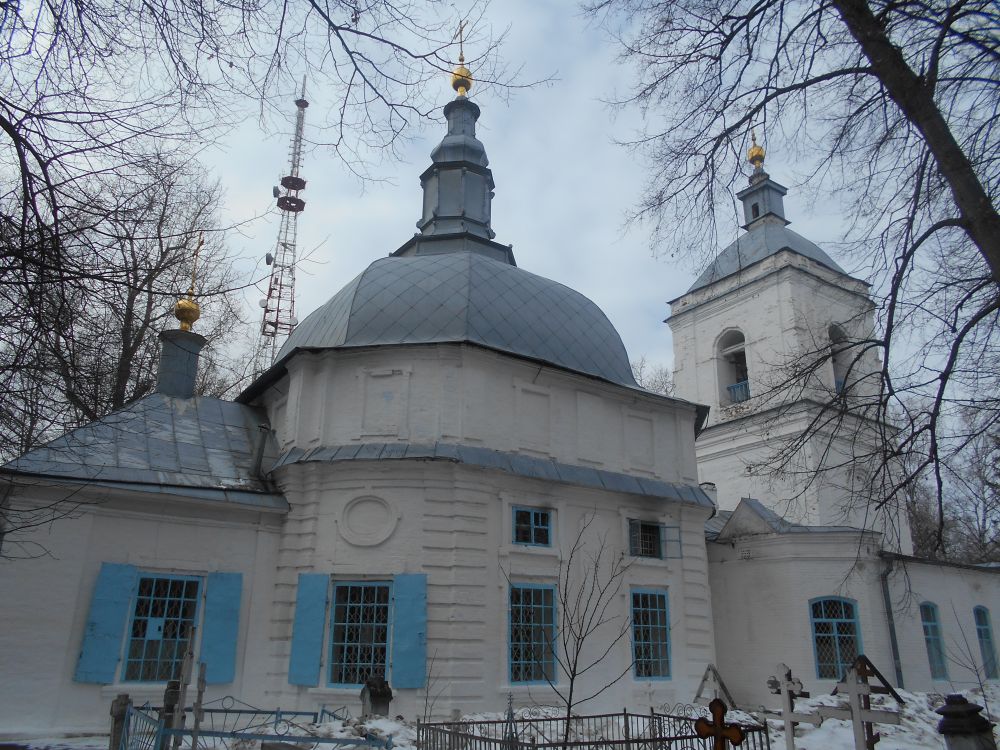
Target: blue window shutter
222, 627
307, 629
409, 631
102, 635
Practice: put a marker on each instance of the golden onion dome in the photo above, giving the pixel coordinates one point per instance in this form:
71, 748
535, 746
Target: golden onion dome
187, 311
755, 154
461, 78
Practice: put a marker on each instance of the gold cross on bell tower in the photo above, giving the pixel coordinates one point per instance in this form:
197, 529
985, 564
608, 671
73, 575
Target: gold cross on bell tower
461, 77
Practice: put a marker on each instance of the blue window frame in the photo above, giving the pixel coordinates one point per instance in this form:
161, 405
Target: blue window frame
359, 631
933, 640
836, 635
651, 539
162, 627
650, 634
532, 526
984, 633
532, 633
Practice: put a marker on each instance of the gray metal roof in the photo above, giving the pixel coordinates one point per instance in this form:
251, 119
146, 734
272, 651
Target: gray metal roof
769, 521
197, 447
531, 467
467, 297
761, 241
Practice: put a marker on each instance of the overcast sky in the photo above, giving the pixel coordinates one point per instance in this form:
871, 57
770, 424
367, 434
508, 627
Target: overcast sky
563, 186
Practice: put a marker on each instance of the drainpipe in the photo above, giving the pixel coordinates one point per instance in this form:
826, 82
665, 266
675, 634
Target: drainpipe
258, 450
890, 620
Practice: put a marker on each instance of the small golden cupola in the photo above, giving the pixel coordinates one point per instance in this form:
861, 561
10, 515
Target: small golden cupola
187, 310
461, 76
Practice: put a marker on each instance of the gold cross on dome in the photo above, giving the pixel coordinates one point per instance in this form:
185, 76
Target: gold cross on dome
460, 34
194, 263
717, 728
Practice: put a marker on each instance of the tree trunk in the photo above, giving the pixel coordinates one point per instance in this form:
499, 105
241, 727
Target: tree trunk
916, 101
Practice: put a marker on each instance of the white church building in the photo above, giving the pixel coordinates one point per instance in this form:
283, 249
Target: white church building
399, 494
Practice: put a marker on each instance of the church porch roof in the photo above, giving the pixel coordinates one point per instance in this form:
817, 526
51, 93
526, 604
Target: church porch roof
202, 448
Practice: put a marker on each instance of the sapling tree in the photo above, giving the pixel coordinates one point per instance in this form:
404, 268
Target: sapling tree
591, 622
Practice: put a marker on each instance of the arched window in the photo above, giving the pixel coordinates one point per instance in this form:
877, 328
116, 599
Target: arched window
734, 378
836, 635
839, 357
984, 632
932, 639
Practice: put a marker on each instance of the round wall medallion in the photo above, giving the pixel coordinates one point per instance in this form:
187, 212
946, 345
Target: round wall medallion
367, 521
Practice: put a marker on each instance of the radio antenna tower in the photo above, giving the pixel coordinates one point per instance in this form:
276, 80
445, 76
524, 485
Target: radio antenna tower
279, 305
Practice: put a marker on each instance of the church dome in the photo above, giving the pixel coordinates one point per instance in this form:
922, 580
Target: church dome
466, 296
452, 283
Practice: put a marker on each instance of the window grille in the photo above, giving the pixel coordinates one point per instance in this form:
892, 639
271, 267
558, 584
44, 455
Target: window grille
984, 632
360, 632
836, 636
163, 622
650, 539
933, 641
650, 634
532, 526
532, 633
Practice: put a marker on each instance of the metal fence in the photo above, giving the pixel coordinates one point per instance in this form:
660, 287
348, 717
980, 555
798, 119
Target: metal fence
620, 731
230, 724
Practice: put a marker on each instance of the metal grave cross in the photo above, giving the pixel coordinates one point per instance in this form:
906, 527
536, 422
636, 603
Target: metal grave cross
790, 688
717, 728
859, 705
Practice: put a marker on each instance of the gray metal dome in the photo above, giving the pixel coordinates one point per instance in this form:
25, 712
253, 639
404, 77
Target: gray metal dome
467, 297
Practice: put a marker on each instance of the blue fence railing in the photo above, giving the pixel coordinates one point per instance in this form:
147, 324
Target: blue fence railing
739, 392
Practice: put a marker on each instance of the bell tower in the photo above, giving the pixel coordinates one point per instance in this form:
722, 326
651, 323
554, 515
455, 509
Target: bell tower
767, 338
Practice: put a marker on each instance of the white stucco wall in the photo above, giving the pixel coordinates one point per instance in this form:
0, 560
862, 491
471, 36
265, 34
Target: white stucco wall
453, 522
44, 601
955, 591
466, 394
761, 588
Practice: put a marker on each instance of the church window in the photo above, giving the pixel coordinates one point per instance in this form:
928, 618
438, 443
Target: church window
836, 636
532, 633
650, 539
733, 373
755, 210
359, 632
933, 640
650, 634
141, 624
375, 627
984, 633
532, 526
163, 623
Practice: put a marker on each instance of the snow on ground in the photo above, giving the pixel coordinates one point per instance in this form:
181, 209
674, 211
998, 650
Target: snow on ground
917, 730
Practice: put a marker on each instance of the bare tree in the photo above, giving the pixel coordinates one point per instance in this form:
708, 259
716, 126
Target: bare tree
76, 351
590, 621
86, 80
892, 109
653, 377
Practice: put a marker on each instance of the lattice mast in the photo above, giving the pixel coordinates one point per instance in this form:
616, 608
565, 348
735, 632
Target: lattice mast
279, 305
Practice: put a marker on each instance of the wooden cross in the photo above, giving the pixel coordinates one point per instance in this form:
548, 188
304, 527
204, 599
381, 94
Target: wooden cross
717, 728
859, 706
790, 688
712, 685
